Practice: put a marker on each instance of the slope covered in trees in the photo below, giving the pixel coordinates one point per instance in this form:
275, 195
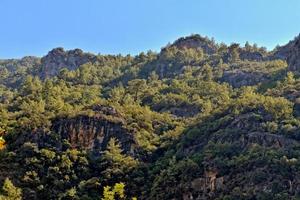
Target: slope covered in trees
198, 120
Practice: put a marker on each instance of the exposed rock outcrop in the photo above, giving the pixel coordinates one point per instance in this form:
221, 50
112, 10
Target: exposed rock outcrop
196, 41
238, 78
252, 56
296, 108
244, 131
268, 140
58, 59
291, 53
27, 61
93, 133
208, 183
235, 154
88, 132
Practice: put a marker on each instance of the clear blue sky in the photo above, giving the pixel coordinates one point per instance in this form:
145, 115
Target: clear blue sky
33, 27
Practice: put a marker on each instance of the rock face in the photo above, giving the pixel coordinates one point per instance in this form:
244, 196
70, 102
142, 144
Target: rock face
252, 133
208, 183
210, 47
181, 111
248, 132
236, 138
92, 133
196, 41
58, 59
10, 70
27, 61
296, 108
238, 78
268, 140
253, 56
291, 53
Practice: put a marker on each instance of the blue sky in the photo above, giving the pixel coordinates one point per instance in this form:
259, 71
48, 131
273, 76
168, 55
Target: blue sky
33, 27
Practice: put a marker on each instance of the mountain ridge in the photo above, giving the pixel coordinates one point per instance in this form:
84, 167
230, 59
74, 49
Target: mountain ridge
198, 120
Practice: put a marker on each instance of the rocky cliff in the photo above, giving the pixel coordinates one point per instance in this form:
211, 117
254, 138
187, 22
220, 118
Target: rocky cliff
58, 58
291, 53
234, 148
86, 132
239, 78
197, 42
93, 133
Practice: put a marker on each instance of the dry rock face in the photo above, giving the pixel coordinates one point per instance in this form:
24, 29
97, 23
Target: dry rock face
58, 59
297, 108
197, 42
242, 134
253, 56
238, 78
91, 133
248, 133
208, 183
27, 61
290, 53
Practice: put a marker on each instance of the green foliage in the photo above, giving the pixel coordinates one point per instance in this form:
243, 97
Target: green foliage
279, 108
10, 192
172, 181
117, 164
185, 119
116, 191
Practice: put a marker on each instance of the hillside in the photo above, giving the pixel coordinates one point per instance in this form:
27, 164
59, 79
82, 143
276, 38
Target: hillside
197, 120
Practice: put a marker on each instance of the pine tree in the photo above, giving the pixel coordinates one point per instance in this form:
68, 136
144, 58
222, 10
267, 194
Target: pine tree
10, 192
117, 191
116, 162
290, 79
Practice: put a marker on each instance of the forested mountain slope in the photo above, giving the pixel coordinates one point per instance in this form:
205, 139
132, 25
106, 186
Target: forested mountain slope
198, 120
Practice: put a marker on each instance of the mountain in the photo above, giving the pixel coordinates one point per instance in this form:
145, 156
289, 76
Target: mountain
290, 52
197, 120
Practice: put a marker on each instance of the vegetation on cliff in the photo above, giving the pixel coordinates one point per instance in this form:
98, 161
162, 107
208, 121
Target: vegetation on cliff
199, 120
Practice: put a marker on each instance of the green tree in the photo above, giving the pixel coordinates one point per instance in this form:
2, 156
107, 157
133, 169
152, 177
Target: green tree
136, 87
115, 192
117, 94
234, 52
248, 46
290, 79
33, 114
32, 86
4, 120
207, 72
10, 192
116, 162
4, 73
111, 193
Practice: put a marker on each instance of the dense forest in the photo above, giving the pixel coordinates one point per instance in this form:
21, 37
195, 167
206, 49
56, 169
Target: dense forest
198, 120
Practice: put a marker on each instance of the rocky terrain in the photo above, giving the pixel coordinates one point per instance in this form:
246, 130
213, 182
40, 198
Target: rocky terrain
58, 59
290, 52
198, 120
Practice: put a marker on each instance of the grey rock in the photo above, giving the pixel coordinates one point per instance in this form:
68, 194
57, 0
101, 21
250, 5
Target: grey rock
291, 53
58, 58
238, 78
197, 42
